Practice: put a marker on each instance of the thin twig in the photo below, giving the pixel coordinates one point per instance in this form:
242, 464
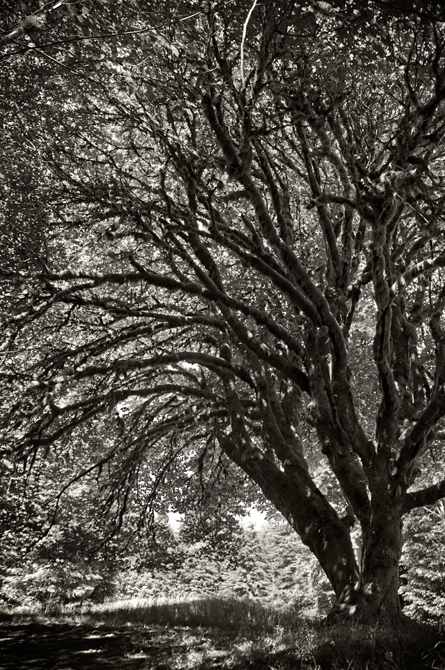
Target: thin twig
246, 23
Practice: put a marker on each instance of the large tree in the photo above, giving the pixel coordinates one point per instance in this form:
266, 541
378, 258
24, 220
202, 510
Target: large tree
244, 252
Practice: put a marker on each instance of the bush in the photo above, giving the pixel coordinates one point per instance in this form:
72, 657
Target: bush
423, 565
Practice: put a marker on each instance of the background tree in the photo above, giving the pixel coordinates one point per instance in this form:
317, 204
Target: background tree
245, 267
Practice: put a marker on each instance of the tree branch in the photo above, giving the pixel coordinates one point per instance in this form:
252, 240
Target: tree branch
423, 497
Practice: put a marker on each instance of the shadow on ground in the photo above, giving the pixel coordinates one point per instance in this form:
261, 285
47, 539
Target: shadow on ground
61, 646
53, 645
67, 646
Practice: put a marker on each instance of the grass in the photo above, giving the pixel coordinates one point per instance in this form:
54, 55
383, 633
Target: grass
249, 631
363, 647
229, 633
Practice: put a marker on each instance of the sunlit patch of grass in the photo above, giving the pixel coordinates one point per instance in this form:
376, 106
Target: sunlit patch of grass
226, 614
21, 612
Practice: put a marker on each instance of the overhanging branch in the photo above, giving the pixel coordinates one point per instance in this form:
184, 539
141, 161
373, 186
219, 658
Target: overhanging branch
427, 496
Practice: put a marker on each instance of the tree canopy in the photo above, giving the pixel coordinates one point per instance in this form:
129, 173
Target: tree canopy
230, 252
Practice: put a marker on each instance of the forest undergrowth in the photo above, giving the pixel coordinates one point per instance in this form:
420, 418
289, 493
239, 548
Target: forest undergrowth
196, 634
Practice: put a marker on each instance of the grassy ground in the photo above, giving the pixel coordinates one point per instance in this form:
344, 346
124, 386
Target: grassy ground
196, 635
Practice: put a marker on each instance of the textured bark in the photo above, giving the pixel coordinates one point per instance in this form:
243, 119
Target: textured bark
378, 598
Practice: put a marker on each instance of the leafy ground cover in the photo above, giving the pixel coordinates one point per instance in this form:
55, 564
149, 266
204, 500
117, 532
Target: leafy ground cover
196, 635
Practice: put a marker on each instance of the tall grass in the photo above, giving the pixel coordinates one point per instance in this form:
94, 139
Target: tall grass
258, 631
222, 613
250, 634
245, 619
248, 631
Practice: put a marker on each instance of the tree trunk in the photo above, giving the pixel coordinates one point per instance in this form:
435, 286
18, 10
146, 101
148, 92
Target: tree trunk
367, 593
375, 599
293, 493
379, 597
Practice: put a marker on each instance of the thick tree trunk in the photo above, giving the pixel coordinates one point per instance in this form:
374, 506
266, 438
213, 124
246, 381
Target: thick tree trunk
379, 598
295, 496
375, 599
367, 593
